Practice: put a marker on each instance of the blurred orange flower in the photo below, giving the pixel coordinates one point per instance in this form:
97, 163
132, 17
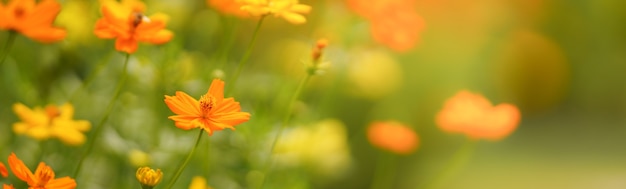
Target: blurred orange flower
125, 22
7, 186
473, 115
394, 23
43, 177
53, 121
229, 7
212, 113
290, 10
34, 20
393, 136
3, 170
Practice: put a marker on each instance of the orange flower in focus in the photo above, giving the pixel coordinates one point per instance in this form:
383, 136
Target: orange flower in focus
212, 112
34, 20
126, 23
6, 186
3, 170
394, 23
473, 115
43, 177
393, 136
229, 7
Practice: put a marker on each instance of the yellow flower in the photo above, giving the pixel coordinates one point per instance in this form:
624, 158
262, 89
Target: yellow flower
149, 177
32, 19
212, 112
43, 178
290, 10
198, 182
53, 121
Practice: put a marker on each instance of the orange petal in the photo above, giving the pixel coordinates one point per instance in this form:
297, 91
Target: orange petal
183, 104
126, 45
184, 121
62, 183
226, 106
3, 170
232, 119
20, 170
45, 35
6, 186
217, 89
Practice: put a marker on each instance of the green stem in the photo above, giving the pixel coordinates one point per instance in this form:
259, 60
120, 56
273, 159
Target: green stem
385, 171
292, 101
90, 78
182, 166
246, 55
107, 112
456, 162
7, 46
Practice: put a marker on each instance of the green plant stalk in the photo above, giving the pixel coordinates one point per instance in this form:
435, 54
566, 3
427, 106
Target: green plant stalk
182, 166
107, 112
7, 46
90, 78
292, 101
246, 55
385, 171
456, 162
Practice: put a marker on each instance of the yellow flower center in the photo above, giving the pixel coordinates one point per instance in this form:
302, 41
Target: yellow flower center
44, 175
207, 102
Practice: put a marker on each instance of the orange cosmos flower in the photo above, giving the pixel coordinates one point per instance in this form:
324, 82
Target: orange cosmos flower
6, 186
3, 170
393, 136
229, 7
43, 177
394, 23
34, 20
126, 23
473, 115
212, 113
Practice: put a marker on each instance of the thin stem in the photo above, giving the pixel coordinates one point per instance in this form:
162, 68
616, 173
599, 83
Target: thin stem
7, 46
385, 171
90, 78
182, 166
292, 101
107, 112
456, 162
246, 55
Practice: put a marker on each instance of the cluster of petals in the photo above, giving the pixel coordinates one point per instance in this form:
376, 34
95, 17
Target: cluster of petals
393, 136
43, 178
32, 19
394, 23
125, 21
474, 116
53, 121
290, 10
212, 112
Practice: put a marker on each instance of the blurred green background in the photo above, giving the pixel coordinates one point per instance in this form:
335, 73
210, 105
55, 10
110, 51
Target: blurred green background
562, 62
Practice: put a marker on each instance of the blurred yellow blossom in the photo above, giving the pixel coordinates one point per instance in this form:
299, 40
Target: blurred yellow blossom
322, 145
32, 19
125, 22
138, 158
43, 178
290, 10
148, 177
198, 182
53, 121
373, 74
78, 26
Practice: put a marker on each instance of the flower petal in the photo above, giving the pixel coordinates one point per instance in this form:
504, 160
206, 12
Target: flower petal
183, 104
20, 170
62, 183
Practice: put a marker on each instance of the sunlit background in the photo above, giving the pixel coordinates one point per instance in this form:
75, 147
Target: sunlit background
562, 63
